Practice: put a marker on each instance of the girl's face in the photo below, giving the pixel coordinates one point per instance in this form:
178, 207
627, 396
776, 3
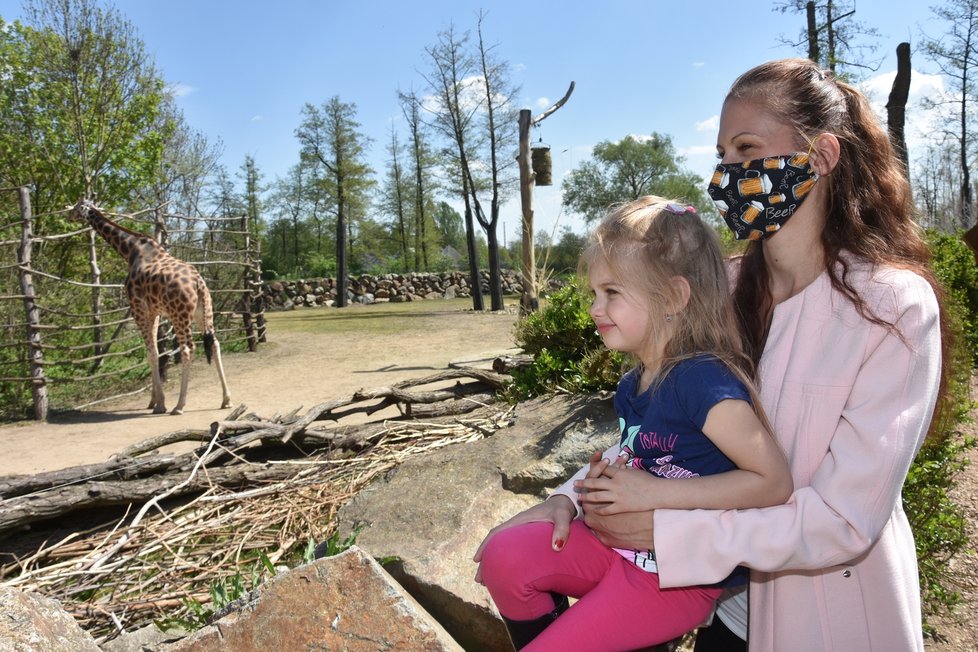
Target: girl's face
748, 133
621, 317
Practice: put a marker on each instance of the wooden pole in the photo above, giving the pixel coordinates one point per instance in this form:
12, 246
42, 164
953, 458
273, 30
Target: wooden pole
35, 354
247, 291
162, 350
529, 301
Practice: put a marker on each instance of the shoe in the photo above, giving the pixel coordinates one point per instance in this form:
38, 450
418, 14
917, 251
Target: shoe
521, 632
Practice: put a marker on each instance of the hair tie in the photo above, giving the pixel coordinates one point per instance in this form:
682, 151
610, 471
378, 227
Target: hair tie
679, 209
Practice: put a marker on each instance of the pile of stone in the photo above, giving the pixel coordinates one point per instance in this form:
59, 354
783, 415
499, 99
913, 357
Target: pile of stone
414, 286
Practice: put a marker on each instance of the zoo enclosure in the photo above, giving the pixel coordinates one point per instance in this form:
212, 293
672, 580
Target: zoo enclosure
67, 340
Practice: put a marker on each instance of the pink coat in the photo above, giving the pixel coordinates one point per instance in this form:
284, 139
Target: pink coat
850, 401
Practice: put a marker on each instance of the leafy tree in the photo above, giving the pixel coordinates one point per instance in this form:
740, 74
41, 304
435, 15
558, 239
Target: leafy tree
563, 255
394, 198
628, 169
450, 227
79, 104
251, 176
423, 163
331, 139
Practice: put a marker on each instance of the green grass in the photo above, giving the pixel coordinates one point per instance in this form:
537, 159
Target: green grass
374, 319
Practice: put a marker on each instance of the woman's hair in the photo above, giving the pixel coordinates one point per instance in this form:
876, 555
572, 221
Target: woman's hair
870, 207
647, 242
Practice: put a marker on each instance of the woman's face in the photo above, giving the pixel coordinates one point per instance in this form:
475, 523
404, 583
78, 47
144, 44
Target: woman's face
748, 133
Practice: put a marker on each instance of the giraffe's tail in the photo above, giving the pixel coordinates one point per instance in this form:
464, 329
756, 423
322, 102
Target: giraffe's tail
208, 326
209, 345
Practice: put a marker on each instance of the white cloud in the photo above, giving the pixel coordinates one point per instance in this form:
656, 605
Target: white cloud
257, 118
710, 124
699, 64
543, 102
181, 90
923, 123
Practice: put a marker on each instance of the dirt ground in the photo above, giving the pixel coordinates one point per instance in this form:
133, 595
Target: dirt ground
296, 370
293, 370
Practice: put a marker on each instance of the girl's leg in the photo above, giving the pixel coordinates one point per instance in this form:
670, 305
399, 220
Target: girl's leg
521, 570
625, 611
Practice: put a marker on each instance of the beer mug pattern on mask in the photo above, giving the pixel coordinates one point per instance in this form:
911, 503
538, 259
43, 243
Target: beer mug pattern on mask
756, 197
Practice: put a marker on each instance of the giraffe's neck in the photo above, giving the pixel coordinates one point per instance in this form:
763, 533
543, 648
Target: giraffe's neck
124, 241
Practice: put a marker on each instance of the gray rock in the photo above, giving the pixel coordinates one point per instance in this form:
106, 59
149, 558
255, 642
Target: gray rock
347, 602
431, 513
30, 621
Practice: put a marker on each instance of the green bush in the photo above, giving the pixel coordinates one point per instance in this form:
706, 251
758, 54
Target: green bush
568, 354
936, 520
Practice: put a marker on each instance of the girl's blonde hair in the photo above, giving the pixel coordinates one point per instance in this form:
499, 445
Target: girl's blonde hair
644, 244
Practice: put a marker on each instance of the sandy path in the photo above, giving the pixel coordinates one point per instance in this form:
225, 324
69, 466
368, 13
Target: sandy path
291, 370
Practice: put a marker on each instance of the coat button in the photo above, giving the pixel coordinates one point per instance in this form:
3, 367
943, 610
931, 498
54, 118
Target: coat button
846, 573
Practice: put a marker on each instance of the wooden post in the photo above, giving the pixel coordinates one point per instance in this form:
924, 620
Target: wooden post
162, 350
39, 388
246, 301
529, 301
256, 298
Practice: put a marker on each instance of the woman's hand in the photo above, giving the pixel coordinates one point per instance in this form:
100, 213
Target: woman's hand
557, 509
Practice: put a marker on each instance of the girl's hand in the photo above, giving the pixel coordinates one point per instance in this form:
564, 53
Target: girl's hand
614, 489
557, 509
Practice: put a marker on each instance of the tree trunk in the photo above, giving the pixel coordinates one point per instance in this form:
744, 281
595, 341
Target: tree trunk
813, 49
896, 105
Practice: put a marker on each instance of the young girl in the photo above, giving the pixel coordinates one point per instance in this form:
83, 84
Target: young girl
685, 413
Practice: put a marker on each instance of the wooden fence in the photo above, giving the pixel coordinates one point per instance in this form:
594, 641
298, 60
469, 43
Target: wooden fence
67, 340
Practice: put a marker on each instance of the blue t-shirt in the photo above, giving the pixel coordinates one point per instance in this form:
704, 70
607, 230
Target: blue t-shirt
662, 428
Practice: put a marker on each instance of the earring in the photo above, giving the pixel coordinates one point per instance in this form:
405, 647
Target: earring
668, 317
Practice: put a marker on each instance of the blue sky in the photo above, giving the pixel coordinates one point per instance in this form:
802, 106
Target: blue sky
244, 69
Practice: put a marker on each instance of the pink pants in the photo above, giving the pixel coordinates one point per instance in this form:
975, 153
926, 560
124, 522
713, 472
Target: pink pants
619, 606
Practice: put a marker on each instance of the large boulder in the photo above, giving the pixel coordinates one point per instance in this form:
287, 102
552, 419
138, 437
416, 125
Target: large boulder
347, 602
431, 513
30, 621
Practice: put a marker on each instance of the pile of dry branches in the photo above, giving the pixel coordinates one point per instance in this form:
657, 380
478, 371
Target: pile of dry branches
260, 487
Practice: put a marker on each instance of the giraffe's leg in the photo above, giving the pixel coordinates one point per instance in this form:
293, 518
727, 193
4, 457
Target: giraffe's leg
157, 402
186, 344
226, 400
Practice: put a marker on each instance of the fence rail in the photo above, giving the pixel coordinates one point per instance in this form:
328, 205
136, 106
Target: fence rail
72, 325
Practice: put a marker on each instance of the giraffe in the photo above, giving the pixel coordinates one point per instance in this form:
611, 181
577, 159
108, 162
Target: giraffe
159, 284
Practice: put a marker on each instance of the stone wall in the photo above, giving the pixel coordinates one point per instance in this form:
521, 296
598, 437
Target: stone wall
414, 286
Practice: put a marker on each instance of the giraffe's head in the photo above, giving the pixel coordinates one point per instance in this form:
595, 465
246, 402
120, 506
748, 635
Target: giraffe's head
81, 210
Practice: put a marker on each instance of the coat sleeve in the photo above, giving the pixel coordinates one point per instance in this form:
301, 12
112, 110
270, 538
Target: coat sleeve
854, 488
567, 489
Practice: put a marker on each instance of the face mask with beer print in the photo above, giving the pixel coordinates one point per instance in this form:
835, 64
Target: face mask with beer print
756, 197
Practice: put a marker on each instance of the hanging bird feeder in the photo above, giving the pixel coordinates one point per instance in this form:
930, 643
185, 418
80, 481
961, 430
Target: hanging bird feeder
542, 166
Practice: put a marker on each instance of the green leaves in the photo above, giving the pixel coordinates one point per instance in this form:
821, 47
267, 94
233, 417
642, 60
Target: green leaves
568, 354
628, 169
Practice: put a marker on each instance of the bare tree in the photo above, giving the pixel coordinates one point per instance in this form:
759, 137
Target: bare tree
394, 198
422, 163
956, 54
501, 128
450, 79
832, 37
